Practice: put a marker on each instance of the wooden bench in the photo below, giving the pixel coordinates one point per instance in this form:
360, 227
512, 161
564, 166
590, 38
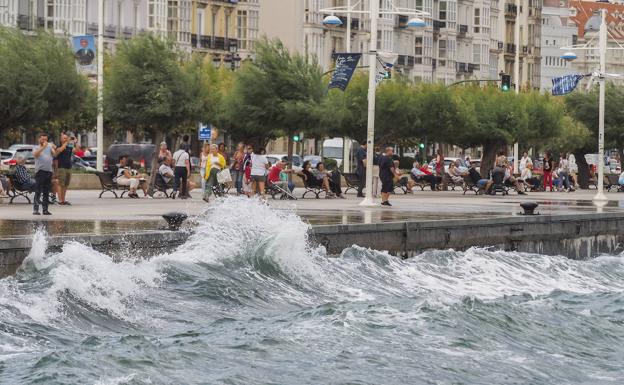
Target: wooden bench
470, 185
314, 189
16, 192
352, 180
109, 185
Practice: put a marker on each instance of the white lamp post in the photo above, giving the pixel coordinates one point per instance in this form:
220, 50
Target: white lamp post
372, 82
598, 22
100, 89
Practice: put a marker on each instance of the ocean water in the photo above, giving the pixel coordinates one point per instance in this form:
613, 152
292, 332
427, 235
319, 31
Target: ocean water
249, 300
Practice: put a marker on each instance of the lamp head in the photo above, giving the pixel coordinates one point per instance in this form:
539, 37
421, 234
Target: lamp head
593, 24
332, 21
568, 56
416, 22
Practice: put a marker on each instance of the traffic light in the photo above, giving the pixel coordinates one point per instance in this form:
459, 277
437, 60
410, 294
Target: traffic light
388, 74
422, 145
505, 82
296, 138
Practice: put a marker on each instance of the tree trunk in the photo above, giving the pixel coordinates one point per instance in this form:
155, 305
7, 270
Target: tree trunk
290, 154
583, 169
158, 137
490, 150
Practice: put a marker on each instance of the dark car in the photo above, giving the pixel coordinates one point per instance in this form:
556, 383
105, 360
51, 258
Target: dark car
141, 153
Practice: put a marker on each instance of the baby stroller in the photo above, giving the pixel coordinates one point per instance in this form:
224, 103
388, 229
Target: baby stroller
273, 190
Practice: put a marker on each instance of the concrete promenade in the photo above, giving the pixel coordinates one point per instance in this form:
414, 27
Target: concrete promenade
421, 206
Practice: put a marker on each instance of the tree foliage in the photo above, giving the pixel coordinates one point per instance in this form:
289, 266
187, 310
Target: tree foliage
38, 80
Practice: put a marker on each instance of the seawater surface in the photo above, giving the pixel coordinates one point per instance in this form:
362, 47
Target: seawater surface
249, 300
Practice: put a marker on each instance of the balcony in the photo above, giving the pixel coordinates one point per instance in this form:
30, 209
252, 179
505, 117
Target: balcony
405, 61
462, 67
463, 30
437, 25
29, 23
473, 67
213, 42
510, 49
511, 10
403, 19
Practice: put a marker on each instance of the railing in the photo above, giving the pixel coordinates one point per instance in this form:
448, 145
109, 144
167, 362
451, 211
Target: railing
511, 9
511, 48
30, 23
437, 24
463, 29
213, 42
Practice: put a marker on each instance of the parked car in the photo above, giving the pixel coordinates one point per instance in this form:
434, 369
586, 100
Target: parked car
447, 162
313, 159
79, 163
9, 157
297, 162
21, 147
141, 153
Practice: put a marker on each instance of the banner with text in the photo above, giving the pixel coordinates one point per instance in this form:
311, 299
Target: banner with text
565, 84
345, 66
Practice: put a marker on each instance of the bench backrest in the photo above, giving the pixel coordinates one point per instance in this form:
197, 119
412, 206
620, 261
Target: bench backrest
351, 179
106, 179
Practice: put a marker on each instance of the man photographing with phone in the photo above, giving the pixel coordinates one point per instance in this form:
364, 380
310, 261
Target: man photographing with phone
44, 156
64, 166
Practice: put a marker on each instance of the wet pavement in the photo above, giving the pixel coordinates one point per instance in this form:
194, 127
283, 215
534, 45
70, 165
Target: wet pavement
89, 215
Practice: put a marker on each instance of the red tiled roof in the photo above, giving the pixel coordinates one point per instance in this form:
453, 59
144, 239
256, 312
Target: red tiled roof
585, 9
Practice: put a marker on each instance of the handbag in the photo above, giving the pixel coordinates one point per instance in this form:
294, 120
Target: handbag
224, 176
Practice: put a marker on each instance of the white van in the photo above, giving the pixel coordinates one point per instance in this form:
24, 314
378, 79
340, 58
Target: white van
336, 148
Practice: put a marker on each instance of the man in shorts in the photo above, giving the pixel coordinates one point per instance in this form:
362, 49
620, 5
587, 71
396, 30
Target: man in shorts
387, 172
64, 166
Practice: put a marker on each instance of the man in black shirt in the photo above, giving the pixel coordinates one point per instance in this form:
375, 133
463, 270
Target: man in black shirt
387, 172
64, 168
360, 169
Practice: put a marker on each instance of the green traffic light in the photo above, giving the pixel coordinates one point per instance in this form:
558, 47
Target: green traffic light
296, 138
422, 145
505, 88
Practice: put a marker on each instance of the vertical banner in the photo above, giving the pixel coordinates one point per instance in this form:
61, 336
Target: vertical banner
565, 84
345, 66
84, 52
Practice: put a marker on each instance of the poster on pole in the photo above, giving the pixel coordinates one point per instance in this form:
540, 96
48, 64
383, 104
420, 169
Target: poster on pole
205, 132
345, 66
385, 63
84, 52
565, 84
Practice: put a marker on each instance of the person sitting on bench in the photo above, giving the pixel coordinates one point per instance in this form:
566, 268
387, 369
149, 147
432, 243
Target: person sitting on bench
529, 179
333, 177
23, 180
124, 177
276, 174
422, 173
315, 180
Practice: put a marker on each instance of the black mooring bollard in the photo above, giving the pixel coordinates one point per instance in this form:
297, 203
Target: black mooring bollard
174, 220
529, 208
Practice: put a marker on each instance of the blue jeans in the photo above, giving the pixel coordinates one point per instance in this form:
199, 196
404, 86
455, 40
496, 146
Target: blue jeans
237, 177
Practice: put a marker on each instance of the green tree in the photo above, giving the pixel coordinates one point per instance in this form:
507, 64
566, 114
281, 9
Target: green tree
151, 88
584, 108
277, 94
38, 80
344, 113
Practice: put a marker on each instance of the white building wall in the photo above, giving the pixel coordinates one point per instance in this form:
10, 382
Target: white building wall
554, 36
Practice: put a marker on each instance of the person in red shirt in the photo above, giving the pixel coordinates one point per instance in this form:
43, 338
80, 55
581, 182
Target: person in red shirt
422, 172
79, 152
275, 178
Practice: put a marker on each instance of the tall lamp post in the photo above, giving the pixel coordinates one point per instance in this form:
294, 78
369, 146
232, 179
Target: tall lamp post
597, 23
100, 89
373, 13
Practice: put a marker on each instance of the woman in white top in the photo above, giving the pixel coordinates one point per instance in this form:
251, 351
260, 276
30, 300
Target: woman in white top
259, 166
202, 165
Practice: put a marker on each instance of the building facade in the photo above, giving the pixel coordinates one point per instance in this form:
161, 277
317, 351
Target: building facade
557, 31
462, 39
122, 18
225, 29
588, 61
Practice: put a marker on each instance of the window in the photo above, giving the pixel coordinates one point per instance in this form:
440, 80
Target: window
442, 49
443, 9
241, 28
477, 19
476, 53
418, 45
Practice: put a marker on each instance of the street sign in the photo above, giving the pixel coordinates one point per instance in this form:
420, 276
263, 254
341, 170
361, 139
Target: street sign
205, 132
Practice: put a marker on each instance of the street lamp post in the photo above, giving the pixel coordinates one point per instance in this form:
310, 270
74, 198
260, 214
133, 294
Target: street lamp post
372, 82
100, 89
597, 23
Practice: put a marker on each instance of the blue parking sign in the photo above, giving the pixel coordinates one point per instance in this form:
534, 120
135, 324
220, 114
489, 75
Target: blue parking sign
205, 132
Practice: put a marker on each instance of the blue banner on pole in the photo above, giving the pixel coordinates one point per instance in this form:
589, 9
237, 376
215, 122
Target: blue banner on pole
565, 84
345, 66
84, 52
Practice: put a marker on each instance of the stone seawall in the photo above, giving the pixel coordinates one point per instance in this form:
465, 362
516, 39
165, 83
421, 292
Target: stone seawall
575, 236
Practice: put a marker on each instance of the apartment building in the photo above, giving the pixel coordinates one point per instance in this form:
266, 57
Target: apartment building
225, 29
461, 39
122, 18
588, 61
558, 31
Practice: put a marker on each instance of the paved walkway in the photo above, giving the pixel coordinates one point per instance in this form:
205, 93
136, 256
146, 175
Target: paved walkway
419, 206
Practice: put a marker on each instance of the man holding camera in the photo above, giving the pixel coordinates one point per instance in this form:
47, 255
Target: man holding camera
44, 157
64, 166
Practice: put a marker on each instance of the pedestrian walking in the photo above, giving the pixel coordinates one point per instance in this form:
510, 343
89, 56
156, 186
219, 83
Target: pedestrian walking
259, 167
564, 172
44, 156
387, 172
237, 168
214, 164
203, 161
360, 169
548, 170
182, 171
